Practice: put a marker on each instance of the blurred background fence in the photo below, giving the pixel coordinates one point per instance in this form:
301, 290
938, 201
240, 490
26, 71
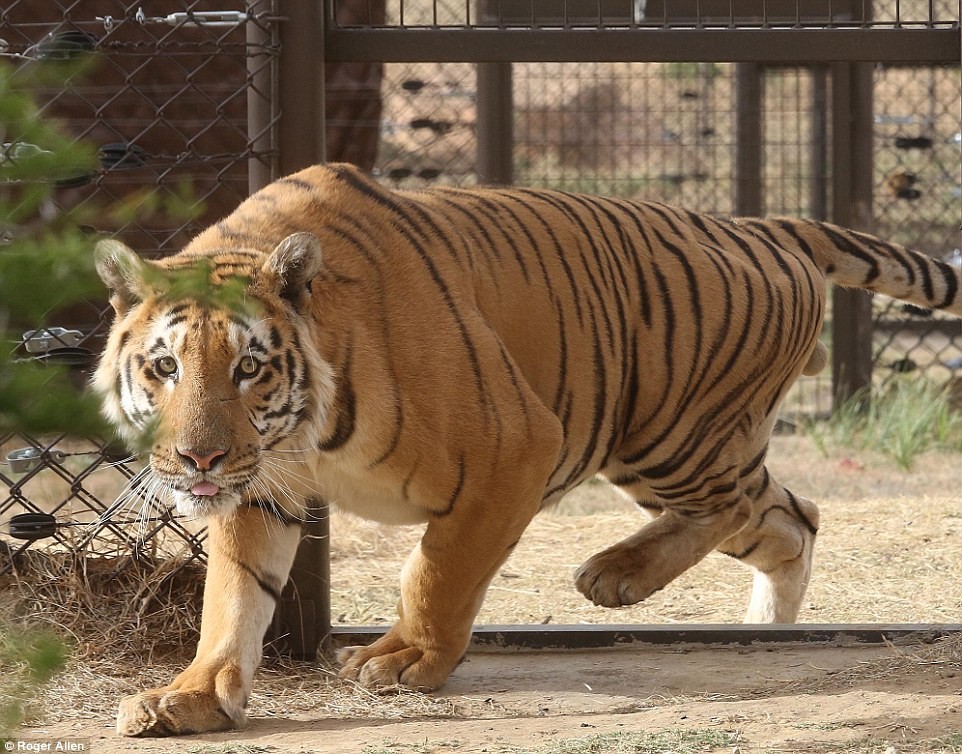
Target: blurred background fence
847, 111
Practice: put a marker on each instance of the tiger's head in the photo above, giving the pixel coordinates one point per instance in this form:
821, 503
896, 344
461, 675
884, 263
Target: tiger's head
215, 375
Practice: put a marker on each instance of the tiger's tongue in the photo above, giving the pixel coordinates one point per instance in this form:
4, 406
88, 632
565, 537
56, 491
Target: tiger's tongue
205, 489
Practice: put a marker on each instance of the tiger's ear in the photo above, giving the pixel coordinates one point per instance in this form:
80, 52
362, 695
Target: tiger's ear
294, 262
122, 271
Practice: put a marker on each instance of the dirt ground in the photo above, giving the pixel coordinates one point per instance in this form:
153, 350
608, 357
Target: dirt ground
642, 699
890, 551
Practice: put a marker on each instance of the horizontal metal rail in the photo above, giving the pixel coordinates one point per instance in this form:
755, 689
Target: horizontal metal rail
608, 636
503, 45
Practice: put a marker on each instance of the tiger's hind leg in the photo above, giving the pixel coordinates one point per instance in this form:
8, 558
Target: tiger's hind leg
778, 543
675, 540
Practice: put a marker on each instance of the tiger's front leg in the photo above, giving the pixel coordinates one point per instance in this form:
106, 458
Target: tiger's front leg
444, 580
250, 554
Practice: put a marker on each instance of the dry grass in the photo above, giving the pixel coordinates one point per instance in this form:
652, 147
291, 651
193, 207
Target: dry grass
890, 551
944, 656
131, 610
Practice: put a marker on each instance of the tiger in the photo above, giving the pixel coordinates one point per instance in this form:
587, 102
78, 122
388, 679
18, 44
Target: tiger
462, 358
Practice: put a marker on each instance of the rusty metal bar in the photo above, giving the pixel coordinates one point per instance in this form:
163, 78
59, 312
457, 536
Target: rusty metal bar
852, 152
605, 636
736, 45
749, 84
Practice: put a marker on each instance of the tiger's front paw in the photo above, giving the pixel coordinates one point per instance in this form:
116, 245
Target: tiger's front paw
174, 713
390, 661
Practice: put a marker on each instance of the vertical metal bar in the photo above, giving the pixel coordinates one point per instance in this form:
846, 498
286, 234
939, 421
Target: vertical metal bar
748, 139
818, 197
261, 74
301, 85
495, 133
303, 618
852, 207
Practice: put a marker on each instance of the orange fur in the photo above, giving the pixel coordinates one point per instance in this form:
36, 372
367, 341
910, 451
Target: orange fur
464, 358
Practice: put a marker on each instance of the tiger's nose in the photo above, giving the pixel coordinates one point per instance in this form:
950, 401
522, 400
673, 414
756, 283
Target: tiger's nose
201, 460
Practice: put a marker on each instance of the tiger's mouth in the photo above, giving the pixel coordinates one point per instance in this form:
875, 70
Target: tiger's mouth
199, 493
205, 498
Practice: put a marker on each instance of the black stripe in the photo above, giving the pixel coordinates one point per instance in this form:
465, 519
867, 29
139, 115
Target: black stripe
648, 505
493, 211
384, 200
296, 183
753, 464
573, 284
847, 246
563, 202
345, 409
562, 360
269, 506
744, 553
270, 589
950, 275
456, 493
790, 228
798, 512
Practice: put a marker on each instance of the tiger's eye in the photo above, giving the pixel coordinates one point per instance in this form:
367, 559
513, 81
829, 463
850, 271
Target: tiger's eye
248, 366
166, 366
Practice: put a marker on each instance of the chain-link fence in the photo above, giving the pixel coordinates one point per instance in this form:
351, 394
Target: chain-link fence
175, 93
163, 94
667, 131
917, 177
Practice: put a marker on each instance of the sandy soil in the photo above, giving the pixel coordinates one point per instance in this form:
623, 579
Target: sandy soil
890, 551
756, 699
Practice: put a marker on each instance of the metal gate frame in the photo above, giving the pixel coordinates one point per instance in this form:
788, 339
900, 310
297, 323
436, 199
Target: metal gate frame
309, 37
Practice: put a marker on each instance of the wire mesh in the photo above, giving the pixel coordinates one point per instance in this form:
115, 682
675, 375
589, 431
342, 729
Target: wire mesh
667, 131
428, 126
918, 173
170, 97
567, 14
163, 95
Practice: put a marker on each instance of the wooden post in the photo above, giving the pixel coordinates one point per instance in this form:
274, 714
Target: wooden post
818, 185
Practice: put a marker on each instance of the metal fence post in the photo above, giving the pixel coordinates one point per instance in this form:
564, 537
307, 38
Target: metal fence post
303, 618
818, 185
852, 146
749, 83
261, 101
300, 85
495, 160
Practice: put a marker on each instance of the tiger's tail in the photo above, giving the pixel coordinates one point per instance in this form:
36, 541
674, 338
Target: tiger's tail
858, 260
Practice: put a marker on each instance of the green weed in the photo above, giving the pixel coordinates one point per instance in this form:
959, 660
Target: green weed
909, 417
